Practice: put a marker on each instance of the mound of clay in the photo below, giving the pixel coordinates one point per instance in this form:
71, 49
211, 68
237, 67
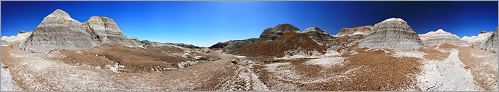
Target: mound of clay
362, 30
59, 31
230, 46
285, 41
393, 33
277, 31
318, 35
348, 38
105, 30
440, 36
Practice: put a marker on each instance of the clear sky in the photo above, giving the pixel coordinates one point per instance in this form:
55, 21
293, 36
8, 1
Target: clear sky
205, 23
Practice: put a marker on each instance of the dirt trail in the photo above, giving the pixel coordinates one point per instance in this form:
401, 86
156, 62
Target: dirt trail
245, 79
204, 76
446, 75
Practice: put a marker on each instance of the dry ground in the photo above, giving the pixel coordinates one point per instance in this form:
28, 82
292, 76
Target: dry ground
36, 72
133, 59
360, 69
483, 65
364, 70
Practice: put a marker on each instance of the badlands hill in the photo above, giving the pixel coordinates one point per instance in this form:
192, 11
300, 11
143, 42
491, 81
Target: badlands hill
482, 36
105, 30
393, 33
440, 36
348, 38
282, 40
318, 35
59, 31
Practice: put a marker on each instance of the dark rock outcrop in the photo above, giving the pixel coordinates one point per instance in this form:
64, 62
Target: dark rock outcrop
277, 31
491, 44
318, 35
230, 46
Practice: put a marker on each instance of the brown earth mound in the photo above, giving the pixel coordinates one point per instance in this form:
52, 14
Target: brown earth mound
277, 48
447, 46
134, 59
433, 54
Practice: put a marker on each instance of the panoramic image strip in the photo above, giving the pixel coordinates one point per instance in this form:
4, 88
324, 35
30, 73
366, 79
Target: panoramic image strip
249, 46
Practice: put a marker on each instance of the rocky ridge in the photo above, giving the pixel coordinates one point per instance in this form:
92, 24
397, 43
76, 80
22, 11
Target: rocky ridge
362, 30
440, 36
229, 46
479, 38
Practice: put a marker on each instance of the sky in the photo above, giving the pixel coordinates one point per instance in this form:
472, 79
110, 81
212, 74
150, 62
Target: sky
205, 23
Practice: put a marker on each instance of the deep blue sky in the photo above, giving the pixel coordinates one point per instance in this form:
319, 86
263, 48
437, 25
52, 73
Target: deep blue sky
205, 23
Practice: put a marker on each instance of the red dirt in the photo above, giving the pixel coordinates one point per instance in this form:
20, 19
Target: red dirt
379, 71
447, 46
434, 54
277, 48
